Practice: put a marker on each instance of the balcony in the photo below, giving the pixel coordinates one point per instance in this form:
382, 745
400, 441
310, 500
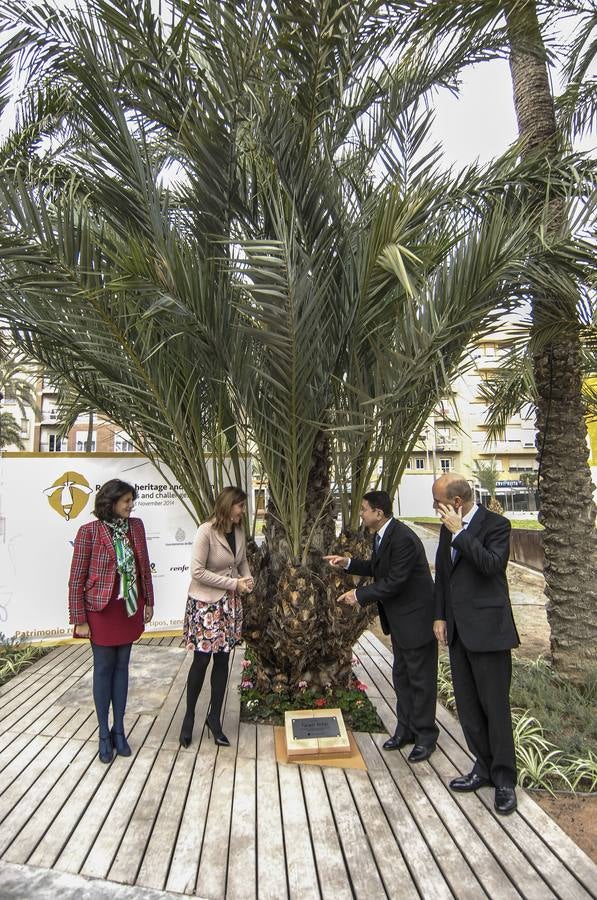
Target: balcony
49, 416
505, 447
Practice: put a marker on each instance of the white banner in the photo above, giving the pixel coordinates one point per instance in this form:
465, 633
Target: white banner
44, 499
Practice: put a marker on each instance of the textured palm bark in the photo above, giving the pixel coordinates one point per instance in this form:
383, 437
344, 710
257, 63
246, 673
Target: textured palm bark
292, 622
566, 506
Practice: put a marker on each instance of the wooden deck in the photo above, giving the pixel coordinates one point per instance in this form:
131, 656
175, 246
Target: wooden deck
232, 823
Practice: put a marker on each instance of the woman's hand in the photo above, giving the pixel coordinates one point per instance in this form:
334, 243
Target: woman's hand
148, 614
83, 630
244, 585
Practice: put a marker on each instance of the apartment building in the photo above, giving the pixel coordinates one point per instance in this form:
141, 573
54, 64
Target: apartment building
455, 435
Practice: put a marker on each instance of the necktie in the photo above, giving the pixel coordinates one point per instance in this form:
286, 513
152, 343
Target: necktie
376, 542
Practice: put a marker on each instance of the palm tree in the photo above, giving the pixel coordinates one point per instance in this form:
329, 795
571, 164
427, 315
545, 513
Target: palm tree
472, 31
487, 475
224, 233
17, 389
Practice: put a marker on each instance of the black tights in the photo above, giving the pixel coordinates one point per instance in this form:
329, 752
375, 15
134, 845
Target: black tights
110, 684
219, 677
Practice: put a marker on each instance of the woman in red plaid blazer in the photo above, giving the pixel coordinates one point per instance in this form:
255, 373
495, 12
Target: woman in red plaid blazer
110, 598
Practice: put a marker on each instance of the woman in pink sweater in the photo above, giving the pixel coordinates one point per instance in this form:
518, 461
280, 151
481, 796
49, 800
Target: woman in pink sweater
213, 617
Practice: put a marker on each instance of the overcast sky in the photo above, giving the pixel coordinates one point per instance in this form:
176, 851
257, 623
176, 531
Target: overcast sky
480, 122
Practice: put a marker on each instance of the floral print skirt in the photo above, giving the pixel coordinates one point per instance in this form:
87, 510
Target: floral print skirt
211, 627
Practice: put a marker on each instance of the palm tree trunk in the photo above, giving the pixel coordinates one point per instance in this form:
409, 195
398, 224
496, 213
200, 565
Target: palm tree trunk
566, 506
292, 622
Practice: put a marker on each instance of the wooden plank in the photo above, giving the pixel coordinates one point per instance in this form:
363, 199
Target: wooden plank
360, 861
42, 774
37, 757
163, 722
547, 864
81, 840
561, 844
53, 728
242, 859
29, 711
528, 841
171, 738
45, 814
187, 850
24, 680
156, 862
13, 743
300, 861
247, 740
78, 718
211, 877
105, 846
132, 848
486, 867
28, 688
423, 868
390, 862
271, 858
334, 881
518, 869
28, 751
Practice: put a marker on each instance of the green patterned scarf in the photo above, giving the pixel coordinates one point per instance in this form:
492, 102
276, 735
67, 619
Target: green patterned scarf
125, 563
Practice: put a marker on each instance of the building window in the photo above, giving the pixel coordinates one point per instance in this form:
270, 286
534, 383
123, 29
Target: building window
55, 444
409, 464
123, 443
419, 462
445, 465
81, 441
25, 428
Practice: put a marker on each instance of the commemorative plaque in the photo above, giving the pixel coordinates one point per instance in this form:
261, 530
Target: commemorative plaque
311, 733
315, 727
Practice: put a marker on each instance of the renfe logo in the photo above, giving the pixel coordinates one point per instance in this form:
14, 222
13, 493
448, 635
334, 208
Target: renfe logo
69, 494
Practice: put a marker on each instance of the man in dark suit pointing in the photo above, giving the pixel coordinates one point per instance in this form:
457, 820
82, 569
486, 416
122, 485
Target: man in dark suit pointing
474, 617
403, 591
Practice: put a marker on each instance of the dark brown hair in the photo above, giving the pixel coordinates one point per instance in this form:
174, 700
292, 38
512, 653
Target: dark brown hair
224, 503
109, 494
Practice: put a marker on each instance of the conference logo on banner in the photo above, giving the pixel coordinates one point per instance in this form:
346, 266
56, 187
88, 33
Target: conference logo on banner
43, 506
69, 494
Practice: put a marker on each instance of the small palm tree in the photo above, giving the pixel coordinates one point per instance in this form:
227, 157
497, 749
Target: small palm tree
18, 389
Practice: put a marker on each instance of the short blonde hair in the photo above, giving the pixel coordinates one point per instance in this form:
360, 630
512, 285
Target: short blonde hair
225, 500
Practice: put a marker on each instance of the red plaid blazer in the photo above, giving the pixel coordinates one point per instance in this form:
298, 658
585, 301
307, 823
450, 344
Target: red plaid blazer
93, 569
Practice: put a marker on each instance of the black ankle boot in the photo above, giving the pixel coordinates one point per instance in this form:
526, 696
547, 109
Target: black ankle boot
218, 735
106, 750
186, 732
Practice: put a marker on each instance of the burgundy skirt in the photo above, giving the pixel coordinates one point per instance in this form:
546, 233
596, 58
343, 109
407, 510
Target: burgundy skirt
111, 627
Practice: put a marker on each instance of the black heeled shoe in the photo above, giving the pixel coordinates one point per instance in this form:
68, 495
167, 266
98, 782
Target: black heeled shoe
218, 735
120, 743
186, 732
106, 750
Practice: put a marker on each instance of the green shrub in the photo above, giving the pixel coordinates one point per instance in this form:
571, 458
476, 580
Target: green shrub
14, 657
256, 706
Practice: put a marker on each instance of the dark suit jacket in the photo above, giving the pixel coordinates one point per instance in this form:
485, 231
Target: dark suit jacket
402, 588
472, 593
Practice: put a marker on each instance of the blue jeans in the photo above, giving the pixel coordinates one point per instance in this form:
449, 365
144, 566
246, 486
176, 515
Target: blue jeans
110, 684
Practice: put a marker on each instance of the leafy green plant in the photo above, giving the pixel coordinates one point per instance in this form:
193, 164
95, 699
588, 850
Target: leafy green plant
14, 657
257, 706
